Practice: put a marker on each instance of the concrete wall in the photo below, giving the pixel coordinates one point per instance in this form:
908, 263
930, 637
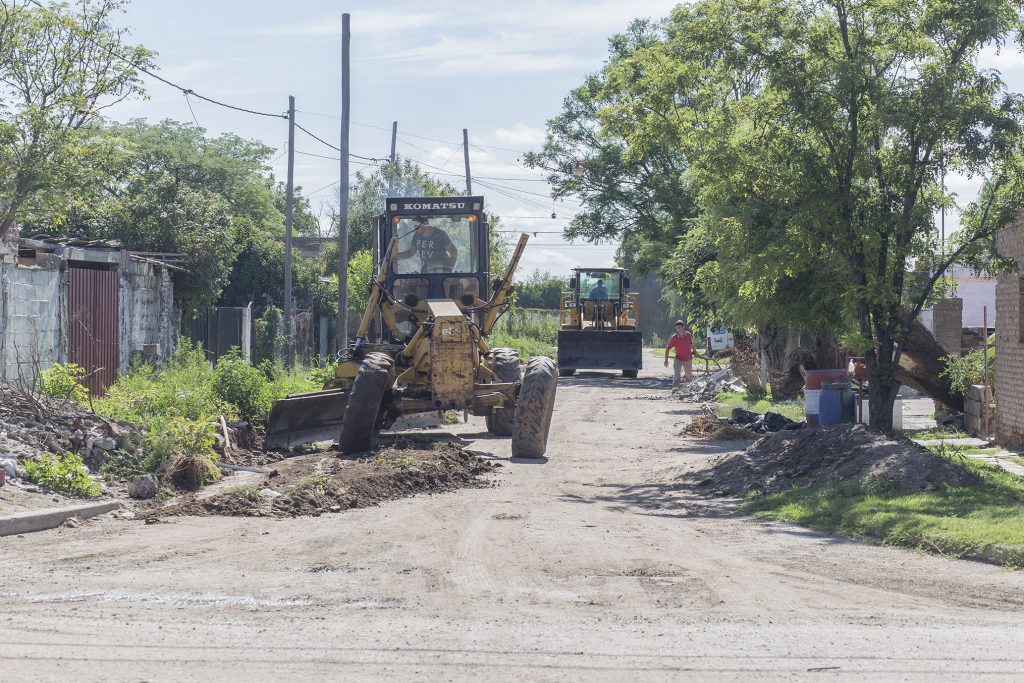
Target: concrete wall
1009, 371
33, 321
977, 414
34, 311
147, 312
947, 324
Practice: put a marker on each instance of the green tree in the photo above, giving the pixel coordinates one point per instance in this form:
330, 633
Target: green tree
60, 66
638, 196
541, 290
836, 119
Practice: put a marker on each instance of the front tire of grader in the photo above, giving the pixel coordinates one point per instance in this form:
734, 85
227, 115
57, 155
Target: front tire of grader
361, 423
506, 367
534, 407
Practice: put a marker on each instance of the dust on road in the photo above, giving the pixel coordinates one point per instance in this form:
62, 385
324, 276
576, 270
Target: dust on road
597, 564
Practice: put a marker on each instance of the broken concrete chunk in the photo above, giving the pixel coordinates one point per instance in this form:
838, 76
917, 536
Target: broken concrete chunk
269, 493
144, 486
107, 443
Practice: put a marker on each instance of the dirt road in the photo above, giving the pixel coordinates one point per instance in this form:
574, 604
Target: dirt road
591, 566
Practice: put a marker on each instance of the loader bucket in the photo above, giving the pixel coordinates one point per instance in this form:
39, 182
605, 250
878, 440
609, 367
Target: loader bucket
306, 418
600, 350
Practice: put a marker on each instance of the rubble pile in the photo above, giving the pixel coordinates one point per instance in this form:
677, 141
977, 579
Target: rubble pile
705, 388
845, 452
31, 424
763, 424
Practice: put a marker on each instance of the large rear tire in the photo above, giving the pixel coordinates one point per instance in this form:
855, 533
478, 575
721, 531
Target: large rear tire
506, 367
534, 407
362, 420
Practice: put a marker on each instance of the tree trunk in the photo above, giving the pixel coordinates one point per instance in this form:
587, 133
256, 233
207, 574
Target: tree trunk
921, 364
883, 385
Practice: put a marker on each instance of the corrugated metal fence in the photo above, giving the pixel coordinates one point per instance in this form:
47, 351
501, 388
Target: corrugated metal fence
93, 335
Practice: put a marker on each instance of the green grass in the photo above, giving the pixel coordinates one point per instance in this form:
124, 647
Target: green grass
933, 433
794, 410
527, 348
959, 522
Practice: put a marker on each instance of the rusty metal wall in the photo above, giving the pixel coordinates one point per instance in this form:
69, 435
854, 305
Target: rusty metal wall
218, 329
93, 331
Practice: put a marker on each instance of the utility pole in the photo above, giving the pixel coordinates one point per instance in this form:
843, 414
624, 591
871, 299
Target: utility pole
342, 341
289, 348
465, 155
394, 171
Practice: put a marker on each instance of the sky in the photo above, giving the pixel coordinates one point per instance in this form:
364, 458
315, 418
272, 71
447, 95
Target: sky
498, 69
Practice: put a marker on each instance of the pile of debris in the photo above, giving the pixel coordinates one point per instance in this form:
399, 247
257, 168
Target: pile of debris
318, 483
710, 426
31, 424
844, 452
707, 387
763, 423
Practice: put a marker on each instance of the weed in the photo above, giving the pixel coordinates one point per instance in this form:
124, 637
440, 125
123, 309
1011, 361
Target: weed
238, 382
64, 380
64, 473
122, 464
452, 417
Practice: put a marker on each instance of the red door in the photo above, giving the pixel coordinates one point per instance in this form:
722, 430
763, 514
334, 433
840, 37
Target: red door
93, 338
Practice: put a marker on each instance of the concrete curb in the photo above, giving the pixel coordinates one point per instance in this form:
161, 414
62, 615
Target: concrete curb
40, 520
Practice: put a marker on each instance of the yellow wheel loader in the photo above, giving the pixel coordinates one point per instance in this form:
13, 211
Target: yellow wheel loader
600, 324
433, 305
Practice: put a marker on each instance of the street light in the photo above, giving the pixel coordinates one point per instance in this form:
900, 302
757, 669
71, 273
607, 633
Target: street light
578, 171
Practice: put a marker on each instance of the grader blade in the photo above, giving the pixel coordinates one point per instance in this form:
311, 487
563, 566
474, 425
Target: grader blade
306, 418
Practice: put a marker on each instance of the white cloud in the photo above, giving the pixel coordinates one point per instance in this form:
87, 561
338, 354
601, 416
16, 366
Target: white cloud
370, 22
520, 135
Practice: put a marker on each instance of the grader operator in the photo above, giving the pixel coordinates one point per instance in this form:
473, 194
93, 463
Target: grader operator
433, 304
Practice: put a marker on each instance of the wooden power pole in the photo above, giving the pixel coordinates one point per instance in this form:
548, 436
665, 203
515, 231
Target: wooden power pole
342, 341
394, 171
289, 202
465, 155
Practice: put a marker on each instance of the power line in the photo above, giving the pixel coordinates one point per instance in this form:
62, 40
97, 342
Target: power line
334, 147
190, 91
189, 103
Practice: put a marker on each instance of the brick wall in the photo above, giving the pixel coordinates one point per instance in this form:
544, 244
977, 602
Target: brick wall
1009, 370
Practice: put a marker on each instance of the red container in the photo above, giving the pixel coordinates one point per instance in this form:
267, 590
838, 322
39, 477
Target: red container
812, 390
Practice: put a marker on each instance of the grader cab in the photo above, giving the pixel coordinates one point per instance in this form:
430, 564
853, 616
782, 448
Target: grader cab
433, 304
600, 324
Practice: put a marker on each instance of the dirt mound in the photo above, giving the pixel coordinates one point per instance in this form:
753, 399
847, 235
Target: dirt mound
324, 482
807, 457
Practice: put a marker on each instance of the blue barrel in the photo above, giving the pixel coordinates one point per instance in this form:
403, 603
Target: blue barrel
832, 403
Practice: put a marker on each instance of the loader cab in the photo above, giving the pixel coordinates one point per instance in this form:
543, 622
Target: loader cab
597, 300
442, 250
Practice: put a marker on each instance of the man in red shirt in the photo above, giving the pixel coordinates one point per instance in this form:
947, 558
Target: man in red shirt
682, 342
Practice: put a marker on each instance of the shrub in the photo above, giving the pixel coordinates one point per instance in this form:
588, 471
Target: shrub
122, 464
169, 439
64, 380
267, 334
64, 473
183, 388
246, 387
963, 372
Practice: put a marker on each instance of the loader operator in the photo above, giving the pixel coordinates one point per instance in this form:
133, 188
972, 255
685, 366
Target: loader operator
436, 250
599, 293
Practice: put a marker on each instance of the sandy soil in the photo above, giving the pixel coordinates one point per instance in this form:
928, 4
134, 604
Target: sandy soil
594, 565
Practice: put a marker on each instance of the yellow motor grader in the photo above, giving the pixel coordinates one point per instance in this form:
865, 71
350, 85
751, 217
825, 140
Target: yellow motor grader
434, 305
